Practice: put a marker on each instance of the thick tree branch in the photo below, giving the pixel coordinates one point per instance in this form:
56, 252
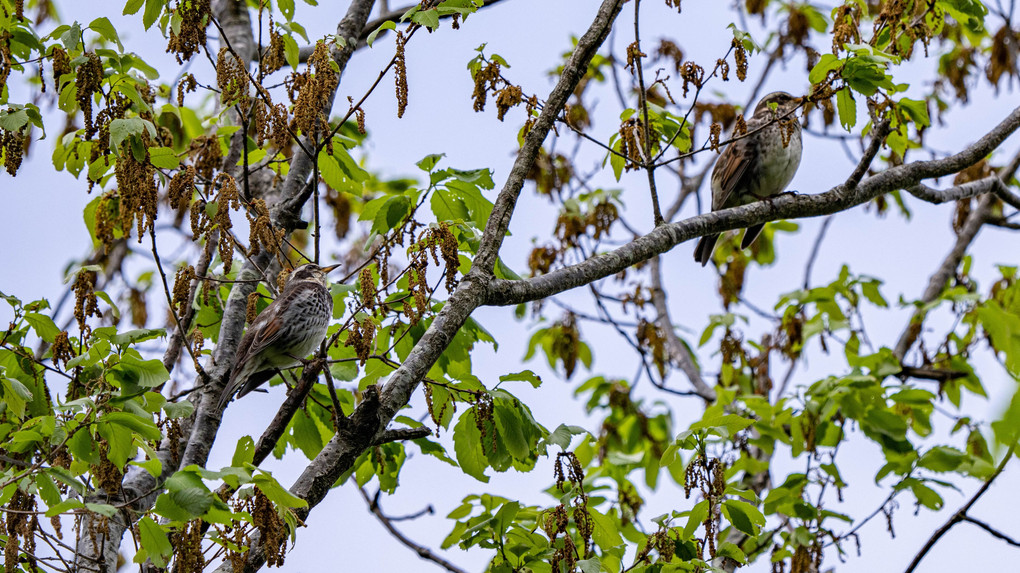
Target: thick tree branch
842, 197
177, 337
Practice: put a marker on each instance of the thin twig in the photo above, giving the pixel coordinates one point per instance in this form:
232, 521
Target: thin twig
421, 550
960, 513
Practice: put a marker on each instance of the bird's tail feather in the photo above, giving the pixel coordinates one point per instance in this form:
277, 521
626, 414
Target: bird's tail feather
703, 252
750, 235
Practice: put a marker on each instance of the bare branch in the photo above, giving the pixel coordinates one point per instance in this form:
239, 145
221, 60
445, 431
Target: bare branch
678, 351
960, 514
994, 532
421, 550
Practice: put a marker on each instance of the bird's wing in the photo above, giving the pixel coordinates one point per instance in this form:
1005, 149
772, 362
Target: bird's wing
731, 172
264, 331
266, 328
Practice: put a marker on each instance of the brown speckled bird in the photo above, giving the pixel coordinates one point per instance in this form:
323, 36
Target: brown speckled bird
287, 331
756, 167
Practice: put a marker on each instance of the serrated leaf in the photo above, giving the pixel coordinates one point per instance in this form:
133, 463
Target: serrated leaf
42, 325
153, 8
164, 158
467, 446
181, 409
104, 28
132, 7
731, 422
276, 492
154, 541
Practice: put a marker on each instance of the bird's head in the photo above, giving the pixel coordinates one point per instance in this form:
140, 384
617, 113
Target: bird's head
778, 103
310, 272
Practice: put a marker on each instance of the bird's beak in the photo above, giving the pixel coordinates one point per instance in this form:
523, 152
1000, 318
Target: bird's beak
329, 269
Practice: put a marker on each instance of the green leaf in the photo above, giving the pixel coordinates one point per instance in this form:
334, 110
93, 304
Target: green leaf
244, 452
731, 422
103, 509
563, 435
287, 8
137, 335
826, 64
132, 7
154, 541
916, 110
391, 214
164, 158
121, 129
428, 18
144, 427
13, 120
47, 490
744, 516
428, 163
181, 409
605, 534
388, 25
942, 459
523, 376
43, 326
925, 495
16, 396
847, 108
696, 517
66, 505
104, 28
145, 373
468, 448
153, 8
276, 492
186, 497
291, 51
504, 518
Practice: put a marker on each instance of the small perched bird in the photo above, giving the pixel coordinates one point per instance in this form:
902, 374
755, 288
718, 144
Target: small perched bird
756, 167
287, 331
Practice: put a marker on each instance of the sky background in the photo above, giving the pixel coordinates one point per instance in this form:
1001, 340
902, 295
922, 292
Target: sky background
42, 216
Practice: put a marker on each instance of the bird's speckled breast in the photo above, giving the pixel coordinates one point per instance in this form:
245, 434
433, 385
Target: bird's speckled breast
778, 162
306, 322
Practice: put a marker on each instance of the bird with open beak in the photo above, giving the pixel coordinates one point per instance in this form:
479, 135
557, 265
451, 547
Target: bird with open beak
286, 332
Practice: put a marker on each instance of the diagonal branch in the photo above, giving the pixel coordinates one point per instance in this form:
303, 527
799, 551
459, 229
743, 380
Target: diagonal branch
977, 218
678, 351
840, 198
960, 514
